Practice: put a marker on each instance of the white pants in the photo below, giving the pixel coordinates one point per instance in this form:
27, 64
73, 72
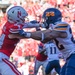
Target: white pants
38, 64
6, 67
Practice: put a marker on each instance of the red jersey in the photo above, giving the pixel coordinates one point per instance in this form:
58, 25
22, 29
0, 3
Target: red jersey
7, 45
41, 57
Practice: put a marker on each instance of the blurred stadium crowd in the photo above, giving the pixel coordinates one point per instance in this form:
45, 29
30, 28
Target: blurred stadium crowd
26, 50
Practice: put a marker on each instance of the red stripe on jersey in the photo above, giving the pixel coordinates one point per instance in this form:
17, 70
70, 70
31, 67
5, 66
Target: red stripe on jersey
13, 67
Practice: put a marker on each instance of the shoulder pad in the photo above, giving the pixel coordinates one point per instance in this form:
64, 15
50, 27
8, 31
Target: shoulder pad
61, 27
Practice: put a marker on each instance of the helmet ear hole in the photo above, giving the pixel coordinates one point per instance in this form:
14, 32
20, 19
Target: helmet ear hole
12, 11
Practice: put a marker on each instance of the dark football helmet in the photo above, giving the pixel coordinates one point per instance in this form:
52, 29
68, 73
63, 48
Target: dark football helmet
51, 16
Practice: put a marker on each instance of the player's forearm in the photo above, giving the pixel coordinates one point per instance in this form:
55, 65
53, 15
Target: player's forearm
43, 51
16, 35
36, 35
30, 25
41, 35
35, 25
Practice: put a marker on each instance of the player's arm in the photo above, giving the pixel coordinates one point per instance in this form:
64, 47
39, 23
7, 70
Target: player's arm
58, 32
30, 25
41, 48
15, 35
27, 25
43, 36
42, 52
48, 35
33, 24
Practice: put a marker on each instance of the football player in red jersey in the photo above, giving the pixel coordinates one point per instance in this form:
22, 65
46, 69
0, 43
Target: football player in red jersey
41, 59
15, 21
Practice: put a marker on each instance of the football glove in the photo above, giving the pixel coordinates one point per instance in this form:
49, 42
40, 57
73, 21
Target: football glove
25, 34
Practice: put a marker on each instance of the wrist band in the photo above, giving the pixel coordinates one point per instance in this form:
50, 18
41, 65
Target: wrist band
43, 37
28, 35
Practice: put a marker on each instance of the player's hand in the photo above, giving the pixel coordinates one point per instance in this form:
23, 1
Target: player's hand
22, 32
25, 34
42, 25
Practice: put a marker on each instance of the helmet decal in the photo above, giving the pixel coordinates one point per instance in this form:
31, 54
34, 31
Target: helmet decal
48, 14
18, 14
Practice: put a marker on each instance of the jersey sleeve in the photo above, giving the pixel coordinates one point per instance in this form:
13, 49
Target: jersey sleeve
40, 47
61, 27
15, 29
